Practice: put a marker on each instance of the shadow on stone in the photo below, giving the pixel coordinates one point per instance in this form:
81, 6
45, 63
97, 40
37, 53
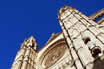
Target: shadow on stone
98, 64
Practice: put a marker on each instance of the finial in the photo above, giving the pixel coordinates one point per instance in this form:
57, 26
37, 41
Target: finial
30, 42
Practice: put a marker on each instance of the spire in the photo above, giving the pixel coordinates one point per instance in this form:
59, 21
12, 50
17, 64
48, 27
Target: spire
30, 42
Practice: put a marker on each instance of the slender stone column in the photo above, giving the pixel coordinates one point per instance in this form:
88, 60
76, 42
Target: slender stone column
19, 59
26, 58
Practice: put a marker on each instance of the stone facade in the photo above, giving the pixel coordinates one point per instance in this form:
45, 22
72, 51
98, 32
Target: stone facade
80, 45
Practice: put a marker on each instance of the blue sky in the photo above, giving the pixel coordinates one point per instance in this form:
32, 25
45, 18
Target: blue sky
19, 19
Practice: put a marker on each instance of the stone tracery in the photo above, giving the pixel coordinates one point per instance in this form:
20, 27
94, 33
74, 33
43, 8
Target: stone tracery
54, 54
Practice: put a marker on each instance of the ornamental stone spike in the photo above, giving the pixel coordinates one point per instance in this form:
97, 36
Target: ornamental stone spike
30, 42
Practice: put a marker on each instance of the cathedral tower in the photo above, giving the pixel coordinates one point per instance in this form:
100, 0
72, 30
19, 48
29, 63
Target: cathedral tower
80, 45
25, 58
84, 37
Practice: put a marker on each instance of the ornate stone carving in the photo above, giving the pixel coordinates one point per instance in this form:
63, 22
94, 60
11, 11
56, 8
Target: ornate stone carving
53, 55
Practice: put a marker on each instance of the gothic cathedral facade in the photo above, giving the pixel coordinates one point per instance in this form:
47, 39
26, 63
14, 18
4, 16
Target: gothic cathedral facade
80, 45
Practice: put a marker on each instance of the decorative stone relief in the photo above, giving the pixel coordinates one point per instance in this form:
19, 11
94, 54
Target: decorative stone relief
53, 55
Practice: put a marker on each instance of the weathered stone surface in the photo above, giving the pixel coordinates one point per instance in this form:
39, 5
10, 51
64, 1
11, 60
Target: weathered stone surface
94, 30
80, 27
85, 55
76, 59
78, 43
101, 37
73, 32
